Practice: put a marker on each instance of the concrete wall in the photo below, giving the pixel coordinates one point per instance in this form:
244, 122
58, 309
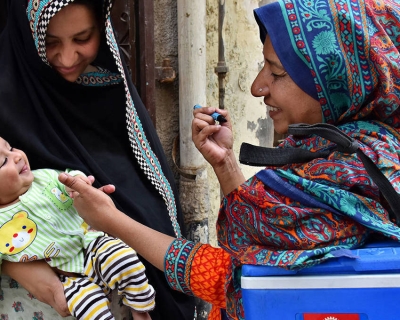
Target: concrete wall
243, 55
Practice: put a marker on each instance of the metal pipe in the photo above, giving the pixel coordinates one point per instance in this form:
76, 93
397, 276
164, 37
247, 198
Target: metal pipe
194, 194
221, 69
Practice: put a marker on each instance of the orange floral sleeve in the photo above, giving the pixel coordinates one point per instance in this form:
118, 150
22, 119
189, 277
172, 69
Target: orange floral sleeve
199, 270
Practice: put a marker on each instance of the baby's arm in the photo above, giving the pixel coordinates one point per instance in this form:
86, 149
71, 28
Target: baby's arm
40, 280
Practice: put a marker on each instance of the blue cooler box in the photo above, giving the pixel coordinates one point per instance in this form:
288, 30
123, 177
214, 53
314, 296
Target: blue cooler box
363, 288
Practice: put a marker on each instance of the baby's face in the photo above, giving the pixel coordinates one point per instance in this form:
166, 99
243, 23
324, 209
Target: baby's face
15, 174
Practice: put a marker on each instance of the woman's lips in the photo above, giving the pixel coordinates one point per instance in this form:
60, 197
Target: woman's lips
69, 70
272, 111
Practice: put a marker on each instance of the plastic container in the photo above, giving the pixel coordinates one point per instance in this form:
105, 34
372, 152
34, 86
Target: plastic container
365, 287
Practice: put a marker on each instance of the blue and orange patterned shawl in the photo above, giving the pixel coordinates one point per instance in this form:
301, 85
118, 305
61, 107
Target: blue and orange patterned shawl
345, 53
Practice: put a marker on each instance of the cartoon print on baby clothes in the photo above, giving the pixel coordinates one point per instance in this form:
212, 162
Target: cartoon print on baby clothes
26, 258
59, 194
17, 234
59, 198
51, 251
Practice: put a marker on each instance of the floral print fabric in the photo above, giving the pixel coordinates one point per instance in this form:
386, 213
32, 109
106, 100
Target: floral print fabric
302, 214
18, 304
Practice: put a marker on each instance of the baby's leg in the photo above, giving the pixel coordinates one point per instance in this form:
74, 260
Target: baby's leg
140, 315
114, 265
85, 299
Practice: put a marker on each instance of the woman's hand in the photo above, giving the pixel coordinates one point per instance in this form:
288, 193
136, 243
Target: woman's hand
41, 281
215, 143
94, 205
98, 210
89, 180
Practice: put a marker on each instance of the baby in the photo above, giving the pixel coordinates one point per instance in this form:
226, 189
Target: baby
38, 221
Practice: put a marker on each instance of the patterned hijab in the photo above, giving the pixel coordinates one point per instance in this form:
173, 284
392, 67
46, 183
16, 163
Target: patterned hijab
345, 54
97, 124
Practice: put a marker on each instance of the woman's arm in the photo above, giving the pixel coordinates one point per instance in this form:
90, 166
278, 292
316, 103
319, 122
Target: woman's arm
205, 266
39, 279
99, 211
215, 143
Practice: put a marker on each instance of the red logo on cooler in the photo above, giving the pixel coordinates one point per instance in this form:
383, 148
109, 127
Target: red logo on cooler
331, 316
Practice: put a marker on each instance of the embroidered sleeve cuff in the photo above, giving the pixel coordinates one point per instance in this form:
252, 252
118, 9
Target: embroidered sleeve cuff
177, 264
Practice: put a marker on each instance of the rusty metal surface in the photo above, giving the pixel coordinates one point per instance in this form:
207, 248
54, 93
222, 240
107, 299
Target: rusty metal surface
165, 73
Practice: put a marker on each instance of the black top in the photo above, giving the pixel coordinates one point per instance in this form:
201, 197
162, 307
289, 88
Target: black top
93, 128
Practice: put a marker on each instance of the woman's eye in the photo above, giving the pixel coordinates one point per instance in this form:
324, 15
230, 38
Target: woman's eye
82, 40
278, 76
275, 76
50, 44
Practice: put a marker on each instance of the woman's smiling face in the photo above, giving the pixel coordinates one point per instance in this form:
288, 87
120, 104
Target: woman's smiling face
72, 40
287, 103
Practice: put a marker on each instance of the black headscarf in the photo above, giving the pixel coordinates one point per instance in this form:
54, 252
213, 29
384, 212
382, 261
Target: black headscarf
104, 131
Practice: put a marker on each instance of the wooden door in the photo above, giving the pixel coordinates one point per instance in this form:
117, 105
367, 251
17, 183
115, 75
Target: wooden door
134, 26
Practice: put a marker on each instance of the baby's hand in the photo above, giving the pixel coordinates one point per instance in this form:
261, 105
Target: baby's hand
88, 180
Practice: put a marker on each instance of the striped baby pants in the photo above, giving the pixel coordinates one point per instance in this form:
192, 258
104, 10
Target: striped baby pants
109, 264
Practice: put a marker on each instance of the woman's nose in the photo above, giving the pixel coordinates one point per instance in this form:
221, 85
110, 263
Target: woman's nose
259, 88
67, 56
